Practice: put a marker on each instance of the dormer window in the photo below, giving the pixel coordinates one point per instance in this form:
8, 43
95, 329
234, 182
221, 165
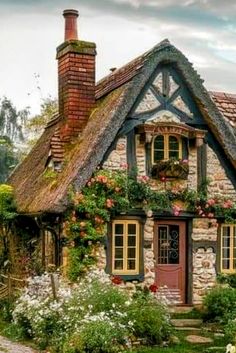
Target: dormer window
166, 147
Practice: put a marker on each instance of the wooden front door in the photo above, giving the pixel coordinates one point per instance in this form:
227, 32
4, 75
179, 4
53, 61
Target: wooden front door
170, 255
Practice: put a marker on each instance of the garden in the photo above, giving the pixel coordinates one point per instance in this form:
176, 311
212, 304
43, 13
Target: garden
93, 315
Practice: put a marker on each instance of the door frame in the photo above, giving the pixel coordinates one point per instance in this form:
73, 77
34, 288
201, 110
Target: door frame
188, 251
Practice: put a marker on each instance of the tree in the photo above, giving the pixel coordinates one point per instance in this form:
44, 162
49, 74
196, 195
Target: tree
36, 124
12, 123
8, 159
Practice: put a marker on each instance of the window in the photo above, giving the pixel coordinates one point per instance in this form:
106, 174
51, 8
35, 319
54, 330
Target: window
168, 244
166, 147
228, 248
125, 247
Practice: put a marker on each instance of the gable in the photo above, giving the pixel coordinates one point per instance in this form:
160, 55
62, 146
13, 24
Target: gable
166, 90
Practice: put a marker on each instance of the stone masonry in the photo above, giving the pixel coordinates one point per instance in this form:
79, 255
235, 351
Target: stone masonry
204, 259
117, 157
220, 185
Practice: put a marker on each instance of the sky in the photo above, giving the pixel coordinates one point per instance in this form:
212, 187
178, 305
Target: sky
30, 31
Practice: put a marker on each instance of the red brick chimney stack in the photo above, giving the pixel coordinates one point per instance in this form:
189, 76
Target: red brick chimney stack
76, 79
70, 24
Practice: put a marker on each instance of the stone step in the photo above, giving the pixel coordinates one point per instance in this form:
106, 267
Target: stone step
188, 329
195, 339
186, 322
181, 309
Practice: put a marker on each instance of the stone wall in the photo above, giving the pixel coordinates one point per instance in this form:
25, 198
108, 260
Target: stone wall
148, 254
140, 157
219, 183
118, 156
204, 273
204, 257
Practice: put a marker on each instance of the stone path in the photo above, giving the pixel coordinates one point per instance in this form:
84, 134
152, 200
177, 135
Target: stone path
7, 346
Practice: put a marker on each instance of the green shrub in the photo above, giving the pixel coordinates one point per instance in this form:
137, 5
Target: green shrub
220, 304
150, 319
6, 307
230, 331
229, 279
96, 337
105, 298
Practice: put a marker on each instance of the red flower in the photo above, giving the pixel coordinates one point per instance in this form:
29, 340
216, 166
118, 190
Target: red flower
153, 288
116, 280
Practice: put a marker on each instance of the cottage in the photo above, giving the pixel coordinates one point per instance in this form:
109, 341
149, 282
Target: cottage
155, 115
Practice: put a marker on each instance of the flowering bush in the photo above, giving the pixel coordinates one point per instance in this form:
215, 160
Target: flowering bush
91, 316
108, 193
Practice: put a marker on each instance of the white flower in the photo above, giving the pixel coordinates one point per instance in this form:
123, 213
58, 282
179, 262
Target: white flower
230, 348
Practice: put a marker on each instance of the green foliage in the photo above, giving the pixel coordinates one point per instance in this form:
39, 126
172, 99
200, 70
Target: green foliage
104, 298
229, 279
80, 259
150, 320
220, 304
8, 159
11, 120
7, 204
11, 136
36, 124
6, 307
230, 331
108, 193
96, 337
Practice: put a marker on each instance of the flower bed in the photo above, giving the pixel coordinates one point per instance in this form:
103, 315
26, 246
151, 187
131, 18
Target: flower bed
92, 316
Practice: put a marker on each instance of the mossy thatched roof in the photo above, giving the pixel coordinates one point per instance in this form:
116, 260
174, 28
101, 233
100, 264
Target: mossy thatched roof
37, 190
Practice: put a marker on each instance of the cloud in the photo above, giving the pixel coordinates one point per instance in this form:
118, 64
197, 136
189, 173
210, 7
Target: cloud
204, 30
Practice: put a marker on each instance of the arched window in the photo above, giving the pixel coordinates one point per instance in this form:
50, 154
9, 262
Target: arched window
166, 147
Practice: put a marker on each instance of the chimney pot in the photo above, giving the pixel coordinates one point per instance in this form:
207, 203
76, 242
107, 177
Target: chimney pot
71, 24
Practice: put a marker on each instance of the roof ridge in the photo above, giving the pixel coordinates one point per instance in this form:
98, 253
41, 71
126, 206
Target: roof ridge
126, 72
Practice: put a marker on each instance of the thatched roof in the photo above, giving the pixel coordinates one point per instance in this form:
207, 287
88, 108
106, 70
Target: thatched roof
37, 191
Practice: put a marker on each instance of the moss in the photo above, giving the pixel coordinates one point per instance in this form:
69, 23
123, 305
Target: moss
50, 174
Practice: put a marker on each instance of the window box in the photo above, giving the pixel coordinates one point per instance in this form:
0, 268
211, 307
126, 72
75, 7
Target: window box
171, 168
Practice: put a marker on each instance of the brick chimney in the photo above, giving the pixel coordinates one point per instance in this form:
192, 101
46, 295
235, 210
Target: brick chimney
76, 79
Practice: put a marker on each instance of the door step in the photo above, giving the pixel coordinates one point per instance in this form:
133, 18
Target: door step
171, 296
181, 309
